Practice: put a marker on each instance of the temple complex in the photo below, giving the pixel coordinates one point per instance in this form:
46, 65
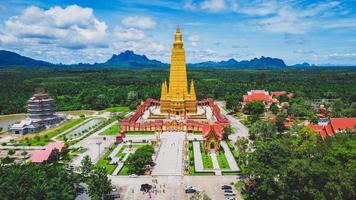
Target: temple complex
175, 97
178, 109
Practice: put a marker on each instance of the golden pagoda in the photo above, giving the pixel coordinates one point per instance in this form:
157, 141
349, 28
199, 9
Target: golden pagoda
175, 98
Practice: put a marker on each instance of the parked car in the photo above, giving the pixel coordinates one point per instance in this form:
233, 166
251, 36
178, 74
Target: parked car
229, 194
228, 191
226, 187
133, 176
189, 187
115, 194
190, 190
229, 198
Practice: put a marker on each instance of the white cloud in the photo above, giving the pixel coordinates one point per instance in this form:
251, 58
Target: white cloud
213, 5
293, 18
194, 39
70, 27
209, 5
139, 22
135, 39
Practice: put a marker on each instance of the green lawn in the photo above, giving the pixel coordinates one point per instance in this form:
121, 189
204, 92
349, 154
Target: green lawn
114, 130
139, 132
207, 162
223, 164
124, 171
118, 109
103, 162
43, 138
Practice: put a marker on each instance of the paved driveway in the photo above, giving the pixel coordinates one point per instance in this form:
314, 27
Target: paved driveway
170, 155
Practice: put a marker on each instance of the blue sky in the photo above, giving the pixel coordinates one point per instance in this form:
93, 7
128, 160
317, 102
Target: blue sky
90, 31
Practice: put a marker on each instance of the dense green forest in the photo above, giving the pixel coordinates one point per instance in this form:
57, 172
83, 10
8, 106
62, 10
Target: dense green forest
298, 164
75, 88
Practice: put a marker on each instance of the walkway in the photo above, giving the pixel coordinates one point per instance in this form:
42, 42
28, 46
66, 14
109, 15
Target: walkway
215, 163
198, 161
170, 156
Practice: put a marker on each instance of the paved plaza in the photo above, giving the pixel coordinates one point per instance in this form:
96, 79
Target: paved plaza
174, 186
170, 154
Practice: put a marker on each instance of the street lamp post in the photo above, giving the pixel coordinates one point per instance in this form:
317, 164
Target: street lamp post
99, 143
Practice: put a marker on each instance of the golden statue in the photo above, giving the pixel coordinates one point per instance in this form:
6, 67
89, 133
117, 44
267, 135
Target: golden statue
175, 98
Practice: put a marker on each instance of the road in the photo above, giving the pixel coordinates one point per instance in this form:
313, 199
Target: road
240, 129
129, 188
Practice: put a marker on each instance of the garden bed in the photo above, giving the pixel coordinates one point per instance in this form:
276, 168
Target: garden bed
105, 162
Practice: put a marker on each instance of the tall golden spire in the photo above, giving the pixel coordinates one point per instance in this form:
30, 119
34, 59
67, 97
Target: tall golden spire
175, 97
192, 90
178, 72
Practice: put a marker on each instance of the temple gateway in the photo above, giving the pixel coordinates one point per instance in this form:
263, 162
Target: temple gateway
178, 109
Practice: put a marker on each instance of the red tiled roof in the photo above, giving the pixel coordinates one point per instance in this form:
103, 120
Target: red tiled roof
318, 128
40, 156
258, 95
343, 123
209, 129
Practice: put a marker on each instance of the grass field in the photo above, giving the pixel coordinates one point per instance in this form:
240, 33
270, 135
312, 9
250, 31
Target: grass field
207, 162
223, 164
118, 109
124, 171
103, 162
43, 138
112, 130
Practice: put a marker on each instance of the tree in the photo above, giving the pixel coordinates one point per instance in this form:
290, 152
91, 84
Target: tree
37, 181
262, 130
338, 108
11, 152
301, 166
281, 118
138, 162
255, 107
86, 166
232, 102
283, 98
99, 185
274, 108
24, 154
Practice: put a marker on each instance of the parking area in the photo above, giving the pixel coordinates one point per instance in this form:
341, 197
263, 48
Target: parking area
173, 186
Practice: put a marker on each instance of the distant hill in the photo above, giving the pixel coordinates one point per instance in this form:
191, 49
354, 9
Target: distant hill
255, 62
8, 58
304, 64
130, 59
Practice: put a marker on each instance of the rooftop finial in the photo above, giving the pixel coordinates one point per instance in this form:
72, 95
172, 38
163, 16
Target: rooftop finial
178, 29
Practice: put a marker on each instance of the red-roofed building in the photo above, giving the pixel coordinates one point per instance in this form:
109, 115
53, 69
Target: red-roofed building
335, 125
258, 95
40, 156
212, 135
